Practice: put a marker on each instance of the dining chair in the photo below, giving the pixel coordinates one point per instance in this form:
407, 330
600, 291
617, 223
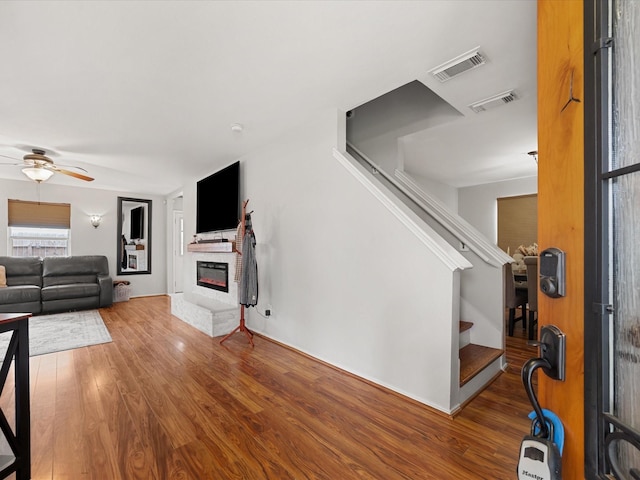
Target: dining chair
532, 293
514, 298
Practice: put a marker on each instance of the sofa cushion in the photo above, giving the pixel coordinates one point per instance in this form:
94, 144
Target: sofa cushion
68, 279
77, 265
27, 307
23, 270
19, 294
73, 290
3, 276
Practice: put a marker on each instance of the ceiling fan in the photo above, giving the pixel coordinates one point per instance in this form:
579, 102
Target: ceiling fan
40, 168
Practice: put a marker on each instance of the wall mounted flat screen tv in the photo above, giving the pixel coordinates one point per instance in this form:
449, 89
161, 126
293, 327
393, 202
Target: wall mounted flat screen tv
137, 223
218, 200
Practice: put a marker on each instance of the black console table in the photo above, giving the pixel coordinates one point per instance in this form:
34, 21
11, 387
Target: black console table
20, 441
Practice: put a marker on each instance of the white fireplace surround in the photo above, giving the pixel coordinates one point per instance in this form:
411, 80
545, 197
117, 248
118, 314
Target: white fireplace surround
211, 311
201, 295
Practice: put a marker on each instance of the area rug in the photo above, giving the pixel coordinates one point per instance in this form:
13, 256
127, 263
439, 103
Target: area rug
62, 331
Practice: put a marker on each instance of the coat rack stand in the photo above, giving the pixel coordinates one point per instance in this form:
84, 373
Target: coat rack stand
242, 327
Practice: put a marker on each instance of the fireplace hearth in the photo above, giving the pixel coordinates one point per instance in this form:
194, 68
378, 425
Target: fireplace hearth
214, 275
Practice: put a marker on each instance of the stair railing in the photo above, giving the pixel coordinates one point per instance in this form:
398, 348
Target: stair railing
459, 228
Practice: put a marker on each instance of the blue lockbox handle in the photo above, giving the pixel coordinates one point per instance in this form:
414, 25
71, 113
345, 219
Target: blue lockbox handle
558, 428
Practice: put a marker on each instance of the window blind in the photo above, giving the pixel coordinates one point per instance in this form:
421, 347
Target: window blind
517, 222
39, 214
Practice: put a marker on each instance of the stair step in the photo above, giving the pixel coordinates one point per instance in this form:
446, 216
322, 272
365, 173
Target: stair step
474, 358
464, 326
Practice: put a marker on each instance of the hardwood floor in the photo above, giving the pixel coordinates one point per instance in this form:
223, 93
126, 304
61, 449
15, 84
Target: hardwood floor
165, 401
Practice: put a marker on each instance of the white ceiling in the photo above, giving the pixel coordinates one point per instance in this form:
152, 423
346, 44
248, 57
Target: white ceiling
143, 94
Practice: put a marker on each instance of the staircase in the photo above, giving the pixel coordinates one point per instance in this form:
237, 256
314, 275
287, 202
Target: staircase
475, 268
474, 358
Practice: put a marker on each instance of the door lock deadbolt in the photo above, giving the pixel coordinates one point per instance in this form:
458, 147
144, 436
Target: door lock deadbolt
552, 272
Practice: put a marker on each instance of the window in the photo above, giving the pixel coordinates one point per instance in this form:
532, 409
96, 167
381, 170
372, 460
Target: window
38, 242
38, 229
517, 222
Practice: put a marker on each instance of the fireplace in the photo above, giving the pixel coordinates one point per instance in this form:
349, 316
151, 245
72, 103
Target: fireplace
214, 275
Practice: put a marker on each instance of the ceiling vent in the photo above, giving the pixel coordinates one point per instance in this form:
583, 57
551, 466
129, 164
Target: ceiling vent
463, 63
493, 102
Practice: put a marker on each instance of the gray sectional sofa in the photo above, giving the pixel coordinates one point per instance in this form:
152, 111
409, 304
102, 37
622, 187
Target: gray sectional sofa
55, 284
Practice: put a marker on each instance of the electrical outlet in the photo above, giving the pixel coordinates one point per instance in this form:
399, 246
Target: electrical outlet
268, 310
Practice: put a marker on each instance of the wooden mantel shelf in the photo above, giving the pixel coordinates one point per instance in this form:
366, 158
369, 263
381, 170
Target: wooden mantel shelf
218, 247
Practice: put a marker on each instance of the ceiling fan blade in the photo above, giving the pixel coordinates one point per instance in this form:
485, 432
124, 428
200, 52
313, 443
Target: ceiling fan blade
74, 167
70, 173
10, 158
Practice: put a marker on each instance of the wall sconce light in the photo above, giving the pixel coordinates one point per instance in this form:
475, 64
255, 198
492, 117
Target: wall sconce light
95, 220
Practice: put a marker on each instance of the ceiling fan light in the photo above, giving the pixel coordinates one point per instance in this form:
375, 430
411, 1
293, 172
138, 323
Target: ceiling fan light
37, 174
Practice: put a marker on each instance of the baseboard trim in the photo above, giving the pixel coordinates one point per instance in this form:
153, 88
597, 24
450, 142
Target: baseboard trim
150, 295
456, 411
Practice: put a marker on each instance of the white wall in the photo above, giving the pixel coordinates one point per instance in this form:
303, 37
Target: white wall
347, 282
443, 192
87, 240
391, 159
478, 205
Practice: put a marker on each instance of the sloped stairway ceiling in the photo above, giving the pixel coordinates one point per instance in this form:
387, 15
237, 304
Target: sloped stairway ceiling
375, 127
405, 110
415, 130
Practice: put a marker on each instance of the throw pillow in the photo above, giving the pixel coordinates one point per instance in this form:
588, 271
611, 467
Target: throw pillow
3, 276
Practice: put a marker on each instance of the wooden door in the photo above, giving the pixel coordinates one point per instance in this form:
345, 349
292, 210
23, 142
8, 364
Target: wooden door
561, 207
